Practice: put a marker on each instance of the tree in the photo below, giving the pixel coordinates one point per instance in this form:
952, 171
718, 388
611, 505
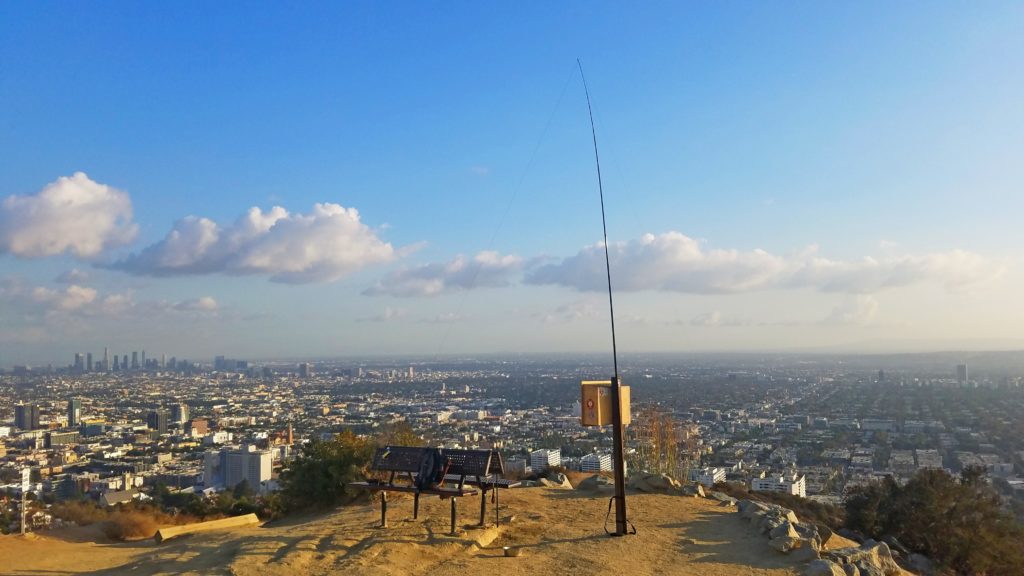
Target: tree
320, 473
958, 522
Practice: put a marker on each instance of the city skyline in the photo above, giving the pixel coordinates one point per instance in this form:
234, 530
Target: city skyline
352, 181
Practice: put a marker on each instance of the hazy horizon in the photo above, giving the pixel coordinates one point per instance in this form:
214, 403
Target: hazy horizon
347, 180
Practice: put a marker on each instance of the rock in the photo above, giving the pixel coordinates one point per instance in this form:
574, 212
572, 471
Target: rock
770, 522
645, 482
920, 564
804, 554
725, 499
784, 529
810, 532
783, 543
851, 570
557, 478
895, 545
824, 533
662, 482
865, 568
850, 534
823, 568
869, 555
595, 482
748, 508
695, 490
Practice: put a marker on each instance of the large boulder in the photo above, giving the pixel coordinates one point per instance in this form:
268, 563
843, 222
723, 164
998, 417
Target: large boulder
596, 482
725, 499
824, 533
646, 482
748, 508
868, 556
784, 529
695, 490
823, 567
549, 483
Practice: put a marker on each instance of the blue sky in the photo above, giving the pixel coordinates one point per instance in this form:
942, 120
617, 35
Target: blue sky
887, 137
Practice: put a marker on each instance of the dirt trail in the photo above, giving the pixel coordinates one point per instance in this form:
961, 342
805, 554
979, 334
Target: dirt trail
557, 531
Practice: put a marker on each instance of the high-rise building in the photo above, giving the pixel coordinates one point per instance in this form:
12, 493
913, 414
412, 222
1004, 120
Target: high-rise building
74, 412
143, 361
961, 374
179, 413
26, 416
79, 362
117, 365
124, 362
106, 359
229, 467
163, 360
305, 370
412, 373
543, 459
88, 362
135, 360
157, 420
596, 462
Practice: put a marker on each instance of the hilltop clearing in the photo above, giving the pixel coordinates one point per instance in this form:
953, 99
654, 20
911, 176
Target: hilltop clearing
557, 531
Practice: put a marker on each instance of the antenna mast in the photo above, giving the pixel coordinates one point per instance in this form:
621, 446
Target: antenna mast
618, 432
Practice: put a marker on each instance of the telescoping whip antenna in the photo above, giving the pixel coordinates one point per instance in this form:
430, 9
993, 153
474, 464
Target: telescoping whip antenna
618, 432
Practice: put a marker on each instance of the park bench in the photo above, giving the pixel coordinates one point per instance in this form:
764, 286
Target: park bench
466, 470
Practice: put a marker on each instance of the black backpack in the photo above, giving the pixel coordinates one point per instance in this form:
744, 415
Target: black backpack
431, 469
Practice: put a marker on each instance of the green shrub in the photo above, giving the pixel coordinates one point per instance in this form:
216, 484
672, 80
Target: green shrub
958, 523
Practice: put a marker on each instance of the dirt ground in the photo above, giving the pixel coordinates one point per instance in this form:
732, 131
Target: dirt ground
556, 531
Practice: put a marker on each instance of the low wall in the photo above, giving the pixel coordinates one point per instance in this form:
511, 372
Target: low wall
233, 522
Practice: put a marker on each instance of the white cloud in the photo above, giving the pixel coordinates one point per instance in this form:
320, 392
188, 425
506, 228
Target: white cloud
486, 269
446, 318
571, 312
674, 262
713, 318
70, 215
71, 298
387, 315
859, 310
76, 301
202, 304
73, 276
322, 246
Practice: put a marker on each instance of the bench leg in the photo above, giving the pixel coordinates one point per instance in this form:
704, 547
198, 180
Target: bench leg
384, 509
416, 506
453, 515
483, 507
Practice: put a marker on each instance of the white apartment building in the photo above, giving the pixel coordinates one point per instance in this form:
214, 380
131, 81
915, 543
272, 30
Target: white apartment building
791, 483
541, 460
707, 476
596, 463
230, 466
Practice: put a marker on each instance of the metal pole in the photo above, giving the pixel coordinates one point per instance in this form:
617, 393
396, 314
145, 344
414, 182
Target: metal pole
620, 462
24, 503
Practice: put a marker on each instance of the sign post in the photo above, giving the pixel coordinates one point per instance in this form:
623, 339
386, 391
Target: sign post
26, 480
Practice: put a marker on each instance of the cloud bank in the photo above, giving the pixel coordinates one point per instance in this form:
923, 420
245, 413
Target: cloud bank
674, 262
73, 215
322, 246
485, 270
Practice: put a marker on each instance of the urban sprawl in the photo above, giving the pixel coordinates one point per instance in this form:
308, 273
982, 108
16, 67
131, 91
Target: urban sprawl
113, 428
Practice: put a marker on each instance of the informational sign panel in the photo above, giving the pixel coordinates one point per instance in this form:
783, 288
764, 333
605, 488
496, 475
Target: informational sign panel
26, 479
596, 403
